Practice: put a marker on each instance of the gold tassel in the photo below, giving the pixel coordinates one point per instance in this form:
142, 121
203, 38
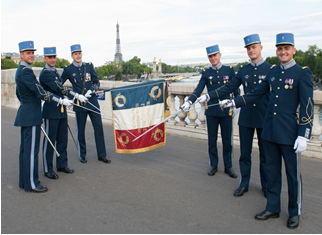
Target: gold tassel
206, 105
77, 102
62, 108
230, 111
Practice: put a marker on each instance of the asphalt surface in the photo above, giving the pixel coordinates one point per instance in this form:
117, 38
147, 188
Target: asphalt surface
166, 190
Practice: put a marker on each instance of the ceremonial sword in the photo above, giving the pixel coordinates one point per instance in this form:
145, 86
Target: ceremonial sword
42, 129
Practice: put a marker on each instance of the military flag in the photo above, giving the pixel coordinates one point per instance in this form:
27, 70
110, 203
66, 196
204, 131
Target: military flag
136, 109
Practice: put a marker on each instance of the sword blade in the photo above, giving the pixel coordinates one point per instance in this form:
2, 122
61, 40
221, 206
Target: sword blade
45, 134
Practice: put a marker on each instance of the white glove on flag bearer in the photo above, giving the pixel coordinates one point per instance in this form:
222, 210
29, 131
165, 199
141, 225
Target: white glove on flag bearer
88, 94
186, 106
300, 144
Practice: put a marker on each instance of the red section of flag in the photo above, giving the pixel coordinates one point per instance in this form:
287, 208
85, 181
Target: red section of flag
152, 139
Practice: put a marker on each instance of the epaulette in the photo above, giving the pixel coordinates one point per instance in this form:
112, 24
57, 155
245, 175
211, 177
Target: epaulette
305, 67
90, 62
273, 66
26, 68
241, 66
46, 70
231, 66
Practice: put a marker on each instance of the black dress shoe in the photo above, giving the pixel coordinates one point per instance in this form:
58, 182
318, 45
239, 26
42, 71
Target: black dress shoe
66, 170
212, 170
39, 189
230, 172
264, 191
293, 222
51, 175
83, 159
104, 159
266, 215
240, 191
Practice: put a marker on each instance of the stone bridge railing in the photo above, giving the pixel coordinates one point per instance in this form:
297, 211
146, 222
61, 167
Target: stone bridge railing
191, 124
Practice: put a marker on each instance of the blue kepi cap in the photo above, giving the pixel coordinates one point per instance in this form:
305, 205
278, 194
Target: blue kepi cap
49, 51
76, 47
212, 50
285, 38
26, 46
251, 39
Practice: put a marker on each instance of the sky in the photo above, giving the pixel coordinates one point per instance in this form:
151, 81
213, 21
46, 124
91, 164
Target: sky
175, 31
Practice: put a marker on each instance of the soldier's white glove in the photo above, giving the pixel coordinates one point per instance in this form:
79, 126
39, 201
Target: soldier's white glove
81, 98
235, 112
203, 98
300, 144
65, 102
227, 103
88, 94
186, 106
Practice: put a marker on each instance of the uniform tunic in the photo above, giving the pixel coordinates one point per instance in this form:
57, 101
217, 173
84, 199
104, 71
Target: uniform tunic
214, 78
251, 117
288, 86
84, 78
29, 92
55, 119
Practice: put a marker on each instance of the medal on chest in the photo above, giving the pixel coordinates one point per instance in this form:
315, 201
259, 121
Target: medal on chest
225, 79
210, 79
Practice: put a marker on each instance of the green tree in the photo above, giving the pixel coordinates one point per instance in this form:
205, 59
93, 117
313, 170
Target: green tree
237, 67
61, 63
8, 64
39, 64
273, 60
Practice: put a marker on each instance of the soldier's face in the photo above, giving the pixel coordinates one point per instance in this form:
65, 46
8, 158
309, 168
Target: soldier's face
285, 53
254, 51
27, 56
50, 60
214, 59
77, 56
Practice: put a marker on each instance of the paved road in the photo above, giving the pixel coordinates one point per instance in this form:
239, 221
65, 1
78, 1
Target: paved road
166, 190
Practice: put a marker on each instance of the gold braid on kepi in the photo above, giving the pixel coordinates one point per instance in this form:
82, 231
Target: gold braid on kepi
309, 118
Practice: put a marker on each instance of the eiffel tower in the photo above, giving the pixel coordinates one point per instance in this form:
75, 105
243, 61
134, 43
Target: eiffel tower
118, 55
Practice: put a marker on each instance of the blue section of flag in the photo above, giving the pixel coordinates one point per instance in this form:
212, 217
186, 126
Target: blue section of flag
138, 95
101, 96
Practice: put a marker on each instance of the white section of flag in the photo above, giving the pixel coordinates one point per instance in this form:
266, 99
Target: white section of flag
140, 117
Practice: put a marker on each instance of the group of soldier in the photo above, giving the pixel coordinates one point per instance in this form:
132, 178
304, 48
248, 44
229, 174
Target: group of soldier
269, 106
272, 96
31, 114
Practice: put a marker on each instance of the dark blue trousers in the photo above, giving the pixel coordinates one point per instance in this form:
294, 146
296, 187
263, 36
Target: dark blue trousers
96, 120
56, 130
28, 157
246, 136
226, 135
274, 154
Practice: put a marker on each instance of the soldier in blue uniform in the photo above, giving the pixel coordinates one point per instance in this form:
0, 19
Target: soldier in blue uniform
29, 92
85, 81
55, 117
285, 134
251, 117
216, 76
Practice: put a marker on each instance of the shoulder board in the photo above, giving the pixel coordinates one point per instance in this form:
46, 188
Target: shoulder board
231, 66
25, 68
46, 70
305, 67
241, 66
273, 66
